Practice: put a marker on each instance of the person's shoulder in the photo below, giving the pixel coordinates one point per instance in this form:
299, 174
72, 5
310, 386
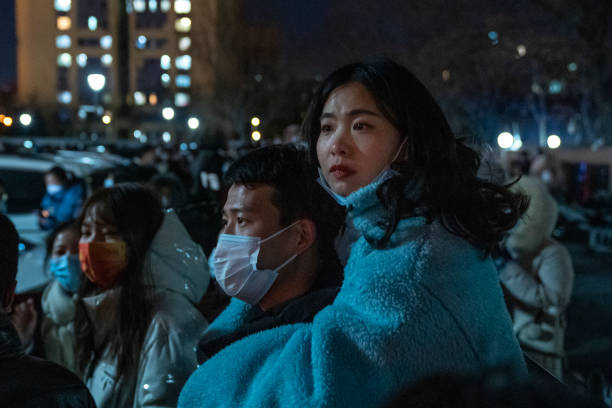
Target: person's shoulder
174, 312
36, 375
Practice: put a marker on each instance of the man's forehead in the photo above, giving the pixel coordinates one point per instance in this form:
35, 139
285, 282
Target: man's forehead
253, 197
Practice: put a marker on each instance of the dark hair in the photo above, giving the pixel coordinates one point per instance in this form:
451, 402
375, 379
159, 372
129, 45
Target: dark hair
437, 171
174, 184
137, 214
9, 253
296, 193
58, 172
50, 240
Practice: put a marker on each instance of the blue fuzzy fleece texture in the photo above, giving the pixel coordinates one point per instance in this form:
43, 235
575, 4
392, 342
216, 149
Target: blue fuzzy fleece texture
427, 303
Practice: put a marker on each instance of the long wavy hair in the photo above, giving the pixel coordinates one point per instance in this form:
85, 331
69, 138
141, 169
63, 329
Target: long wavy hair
137, 214
437, 171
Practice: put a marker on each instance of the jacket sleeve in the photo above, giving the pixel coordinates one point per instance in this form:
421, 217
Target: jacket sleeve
550, 285
164, 366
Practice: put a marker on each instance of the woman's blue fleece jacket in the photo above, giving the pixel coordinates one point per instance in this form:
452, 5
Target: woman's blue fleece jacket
427, 303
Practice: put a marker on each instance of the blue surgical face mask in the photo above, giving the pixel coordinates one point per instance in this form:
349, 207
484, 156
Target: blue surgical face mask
235, 265
54, 188
67, 271
383, 176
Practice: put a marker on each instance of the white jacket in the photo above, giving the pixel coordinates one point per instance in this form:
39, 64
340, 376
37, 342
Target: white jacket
180, 276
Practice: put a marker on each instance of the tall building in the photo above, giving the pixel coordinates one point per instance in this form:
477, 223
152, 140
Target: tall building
149, 60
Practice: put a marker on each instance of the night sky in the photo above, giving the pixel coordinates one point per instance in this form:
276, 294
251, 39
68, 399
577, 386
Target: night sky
318, 35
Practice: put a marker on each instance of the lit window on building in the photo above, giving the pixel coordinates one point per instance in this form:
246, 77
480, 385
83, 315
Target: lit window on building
183, 62
62, 41
183, 25
165, 78
107, 59
165, 62
128, 7
64, 60
183, 81
164, 5
64, 23
153, 99
139, 6
139, 98
182, 6
106, 42
181, 99
81, 60
62, 5
141, 42
184, 43
92, 23
153, 6
64, 97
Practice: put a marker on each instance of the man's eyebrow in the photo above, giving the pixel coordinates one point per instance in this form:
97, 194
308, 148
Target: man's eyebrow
354, 112
237, 209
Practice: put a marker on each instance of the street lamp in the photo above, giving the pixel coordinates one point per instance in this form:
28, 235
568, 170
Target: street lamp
25, 119
255, 121
505, 140
256, 136
553, 141
193, 123
168, 113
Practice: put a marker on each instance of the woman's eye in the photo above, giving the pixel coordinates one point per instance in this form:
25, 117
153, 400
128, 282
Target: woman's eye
240, 220
326, 128
360, 126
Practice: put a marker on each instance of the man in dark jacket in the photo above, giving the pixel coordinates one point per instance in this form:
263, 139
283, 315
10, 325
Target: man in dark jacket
276, 251
28, 381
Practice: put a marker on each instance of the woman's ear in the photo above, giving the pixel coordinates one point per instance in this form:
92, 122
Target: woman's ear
307, 235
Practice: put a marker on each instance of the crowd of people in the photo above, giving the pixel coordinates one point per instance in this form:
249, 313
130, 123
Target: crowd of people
360, 272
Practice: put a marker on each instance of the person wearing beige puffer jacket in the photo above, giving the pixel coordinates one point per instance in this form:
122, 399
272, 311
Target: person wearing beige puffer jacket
539, 278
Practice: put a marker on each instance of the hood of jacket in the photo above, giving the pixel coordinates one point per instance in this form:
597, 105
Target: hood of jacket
175, 262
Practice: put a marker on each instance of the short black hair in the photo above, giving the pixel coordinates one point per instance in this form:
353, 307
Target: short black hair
9, 253
296, 193
58, 172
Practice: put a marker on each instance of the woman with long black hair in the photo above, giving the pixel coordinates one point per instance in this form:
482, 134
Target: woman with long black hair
136, 324
420, 294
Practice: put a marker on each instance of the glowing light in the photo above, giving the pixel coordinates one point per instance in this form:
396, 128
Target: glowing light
64, 60
446, 75
92, 23
182, 6
7, 121
521, 50
106, 42
137, 133
193, 145
181, 99
183, 81
62, 5
166, 137
255, 121
139, 5
141, 42
505, 140
256, 136
153, 99
165, 62
572, 67
184, 43
96, 81
106, 119
165, 78
153, 5
168, 113
518, 143
139, 98
553, 141
193, 123
164, 5
183, 62
25, 119
107, 59
101, 149
63, 41
64, 23
183, 25
28, 144
64, 97
81, 60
